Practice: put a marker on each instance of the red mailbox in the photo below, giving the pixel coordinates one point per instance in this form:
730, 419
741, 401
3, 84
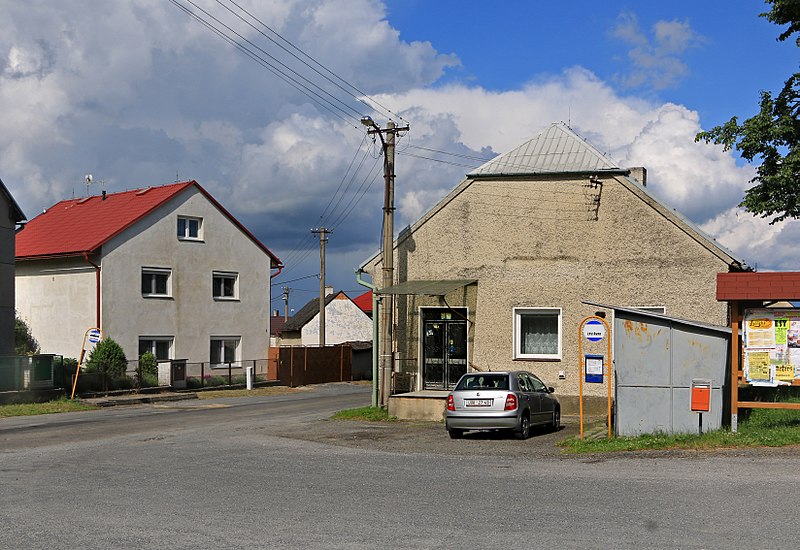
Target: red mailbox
701, 395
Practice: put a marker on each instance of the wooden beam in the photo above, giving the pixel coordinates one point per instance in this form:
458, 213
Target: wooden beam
767, 405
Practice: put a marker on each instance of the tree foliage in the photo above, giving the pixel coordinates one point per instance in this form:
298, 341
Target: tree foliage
24, 342
772, 135
107, 357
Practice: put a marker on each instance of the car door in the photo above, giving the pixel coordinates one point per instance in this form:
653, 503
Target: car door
530, 396
546, 403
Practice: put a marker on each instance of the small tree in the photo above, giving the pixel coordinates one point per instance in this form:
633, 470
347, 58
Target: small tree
24, 342
107, 357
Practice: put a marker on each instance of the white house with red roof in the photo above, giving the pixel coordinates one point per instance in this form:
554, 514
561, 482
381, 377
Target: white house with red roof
164, 269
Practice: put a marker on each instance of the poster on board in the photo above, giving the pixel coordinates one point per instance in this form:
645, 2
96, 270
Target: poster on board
772, 346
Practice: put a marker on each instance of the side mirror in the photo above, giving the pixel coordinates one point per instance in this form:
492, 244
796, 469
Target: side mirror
551, 389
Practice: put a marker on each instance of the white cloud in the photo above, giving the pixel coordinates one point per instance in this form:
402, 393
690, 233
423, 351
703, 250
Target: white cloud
655, 63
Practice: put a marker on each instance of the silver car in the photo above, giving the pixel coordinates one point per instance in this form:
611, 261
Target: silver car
501, 401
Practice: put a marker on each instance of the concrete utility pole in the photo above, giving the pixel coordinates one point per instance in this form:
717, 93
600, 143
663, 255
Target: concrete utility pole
323, 238
286, 290
387, 302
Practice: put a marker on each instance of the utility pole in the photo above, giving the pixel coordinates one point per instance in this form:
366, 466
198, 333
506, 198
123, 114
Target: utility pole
323, 238
386, 344
286, 290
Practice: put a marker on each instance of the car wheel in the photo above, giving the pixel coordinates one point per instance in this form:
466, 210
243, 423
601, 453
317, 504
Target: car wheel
524, 429
455, 434
556, 419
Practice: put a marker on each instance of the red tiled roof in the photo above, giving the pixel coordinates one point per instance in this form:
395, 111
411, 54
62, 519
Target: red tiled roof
77, 226
778, 285
364, 301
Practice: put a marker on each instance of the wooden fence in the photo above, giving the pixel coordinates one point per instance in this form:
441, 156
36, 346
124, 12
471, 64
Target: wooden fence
298, 366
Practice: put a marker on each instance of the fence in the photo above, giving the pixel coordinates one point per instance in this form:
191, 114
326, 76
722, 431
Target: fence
298, 366
35, 372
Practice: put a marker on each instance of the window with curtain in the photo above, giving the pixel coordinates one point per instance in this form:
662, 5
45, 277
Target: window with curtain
537, 333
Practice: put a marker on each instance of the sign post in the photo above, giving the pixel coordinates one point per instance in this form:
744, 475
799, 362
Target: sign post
93, 335
592, 367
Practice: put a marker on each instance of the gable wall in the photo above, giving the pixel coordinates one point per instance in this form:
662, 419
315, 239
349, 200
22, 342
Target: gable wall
549, 243
191, 316
57, 300
7, 226
344, 322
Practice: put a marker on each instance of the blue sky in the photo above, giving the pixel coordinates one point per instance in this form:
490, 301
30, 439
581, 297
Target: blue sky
139, 94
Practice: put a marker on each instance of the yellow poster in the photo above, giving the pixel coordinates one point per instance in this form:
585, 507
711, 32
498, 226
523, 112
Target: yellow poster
759, 332
758, 365
781, 326
784, 372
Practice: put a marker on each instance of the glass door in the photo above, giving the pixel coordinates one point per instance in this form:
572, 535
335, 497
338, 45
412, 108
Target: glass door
444, 347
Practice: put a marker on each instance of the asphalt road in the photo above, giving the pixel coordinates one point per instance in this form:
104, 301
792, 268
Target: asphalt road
271, 472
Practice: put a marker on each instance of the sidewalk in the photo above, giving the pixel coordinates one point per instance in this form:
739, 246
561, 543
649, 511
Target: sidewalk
138, 398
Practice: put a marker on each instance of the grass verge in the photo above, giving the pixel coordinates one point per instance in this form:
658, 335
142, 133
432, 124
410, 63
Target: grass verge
763, 428
368, 414
56, 406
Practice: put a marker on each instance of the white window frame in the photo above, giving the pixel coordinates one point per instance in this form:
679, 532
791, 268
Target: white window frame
220, 340
518, 313
153, 340
186, 236
226, 275
154, 271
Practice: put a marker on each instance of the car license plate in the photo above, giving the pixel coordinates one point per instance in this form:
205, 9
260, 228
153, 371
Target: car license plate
478, 402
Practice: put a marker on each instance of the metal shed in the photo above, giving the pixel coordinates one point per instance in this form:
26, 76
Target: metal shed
656, 357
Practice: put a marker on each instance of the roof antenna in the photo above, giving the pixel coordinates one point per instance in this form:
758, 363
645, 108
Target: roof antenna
177, 179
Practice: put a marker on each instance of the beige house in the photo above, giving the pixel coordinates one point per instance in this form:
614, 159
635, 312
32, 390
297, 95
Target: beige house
495, 275
10, 218
164, 269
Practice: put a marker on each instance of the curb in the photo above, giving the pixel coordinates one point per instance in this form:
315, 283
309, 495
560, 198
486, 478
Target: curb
138, 399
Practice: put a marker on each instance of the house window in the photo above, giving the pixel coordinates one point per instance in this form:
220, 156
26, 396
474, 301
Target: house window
156, 282
224, 350
190, 228
159, 346
224, 285
537, 333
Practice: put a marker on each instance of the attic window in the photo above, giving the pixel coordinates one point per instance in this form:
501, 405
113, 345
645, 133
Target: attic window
84, 199
143, 191
190, 229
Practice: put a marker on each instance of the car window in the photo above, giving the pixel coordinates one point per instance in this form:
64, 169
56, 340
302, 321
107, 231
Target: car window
483, 381
537, 384
523, 383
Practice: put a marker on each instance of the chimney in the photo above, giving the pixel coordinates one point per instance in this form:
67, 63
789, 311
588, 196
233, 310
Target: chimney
328, 290
639, 173
104, 194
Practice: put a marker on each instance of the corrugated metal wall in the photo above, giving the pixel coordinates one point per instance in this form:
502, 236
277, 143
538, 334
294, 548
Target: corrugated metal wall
656, 359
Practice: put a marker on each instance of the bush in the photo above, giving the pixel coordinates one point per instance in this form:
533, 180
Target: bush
107, 357
148, 368
24, 342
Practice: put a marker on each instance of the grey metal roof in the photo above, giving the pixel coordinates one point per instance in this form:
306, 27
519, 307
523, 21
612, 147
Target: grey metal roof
677, 320
556, 149
15, 212
426, 288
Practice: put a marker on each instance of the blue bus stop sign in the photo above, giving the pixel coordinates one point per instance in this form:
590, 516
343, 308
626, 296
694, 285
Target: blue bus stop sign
93, 336
594, 330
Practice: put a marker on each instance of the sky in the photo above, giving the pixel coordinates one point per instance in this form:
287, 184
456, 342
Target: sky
142, 93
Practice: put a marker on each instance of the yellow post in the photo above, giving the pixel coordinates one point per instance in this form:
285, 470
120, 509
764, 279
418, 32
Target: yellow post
96, 336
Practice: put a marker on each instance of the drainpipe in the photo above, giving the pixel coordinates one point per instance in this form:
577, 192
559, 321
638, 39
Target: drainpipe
373, 288
97, 287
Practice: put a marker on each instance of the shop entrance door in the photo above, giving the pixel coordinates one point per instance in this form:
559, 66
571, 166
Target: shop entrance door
444, 347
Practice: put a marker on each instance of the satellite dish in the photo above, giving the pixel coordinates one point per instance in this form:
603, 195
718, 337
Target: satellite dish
88, 179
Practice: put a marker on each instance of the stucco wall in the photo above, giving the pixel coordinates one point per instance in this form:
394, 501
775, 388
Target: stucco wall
57, 300
191, 315
554, 243
344, 322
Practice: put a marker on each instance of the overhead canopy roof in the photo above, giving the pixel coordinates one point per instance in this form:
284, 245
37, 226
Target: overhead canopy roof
427, 288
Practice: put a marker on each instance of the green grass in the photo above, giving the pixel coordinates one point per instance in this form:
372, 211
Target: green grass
369, 414
763, 428
56, 406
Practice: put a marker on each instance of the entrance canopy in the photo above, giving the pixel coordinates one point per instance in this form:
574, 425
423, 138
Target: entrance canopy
426, 288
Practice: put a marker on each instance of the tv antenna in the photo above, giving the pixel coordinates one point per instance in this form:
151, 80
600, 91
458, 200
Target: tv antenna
88, 180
